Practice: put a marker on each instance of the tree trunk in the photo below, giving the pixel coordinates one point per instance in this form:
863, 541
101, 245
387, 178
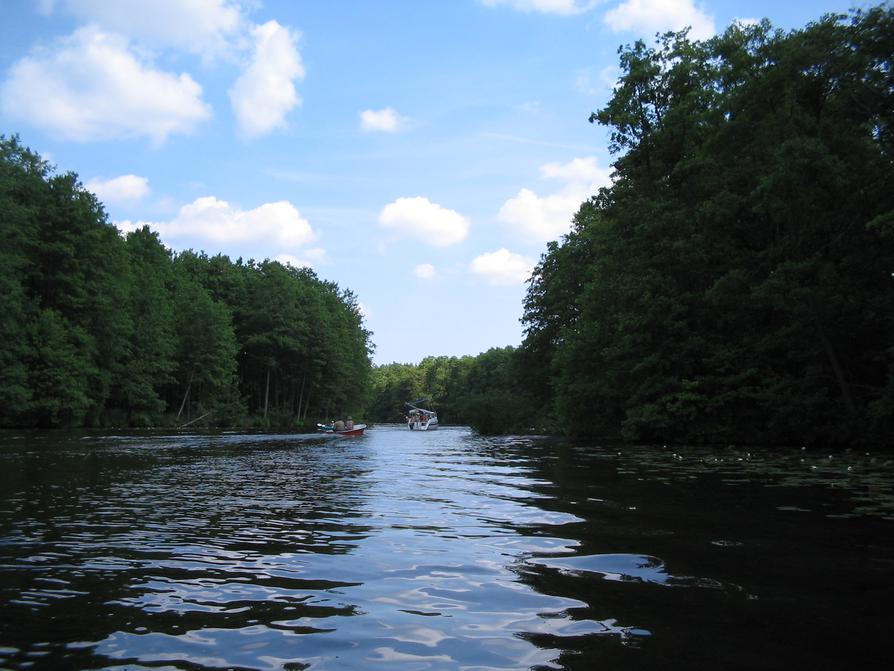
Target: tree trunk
185, 396
301, 398
293, 396
307, 407
843, 386
195, 420
267, 392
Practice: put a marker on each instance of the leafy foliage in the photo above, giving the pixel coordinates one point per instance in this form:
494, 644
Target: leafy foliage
735, 282
486, 392
100, 328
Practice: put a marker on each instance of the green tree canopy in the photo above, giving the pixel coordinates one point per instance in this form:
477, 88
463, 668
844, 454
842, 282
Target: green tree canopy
99, 328
737, 276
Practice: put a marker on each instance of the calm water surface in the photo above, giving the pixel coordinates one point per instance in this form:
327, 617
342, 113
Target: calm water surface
407, 550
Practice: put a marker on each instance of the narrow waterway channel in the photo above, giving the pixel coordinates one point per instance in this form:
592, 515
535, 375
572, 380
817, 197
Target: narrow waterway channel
442, 550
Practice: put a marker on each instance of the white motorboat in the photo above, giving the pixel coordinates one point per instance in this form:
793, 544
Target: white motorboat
420, 419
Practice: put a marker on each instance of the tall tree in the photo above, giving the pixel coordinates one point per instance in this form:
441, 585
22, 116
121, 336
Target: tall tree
150, 361
205, 349
65, 278
22, 186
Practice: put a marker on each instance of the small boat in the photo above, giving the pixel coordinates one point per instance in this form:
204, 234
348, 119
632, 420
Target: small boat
356, 430
420, 419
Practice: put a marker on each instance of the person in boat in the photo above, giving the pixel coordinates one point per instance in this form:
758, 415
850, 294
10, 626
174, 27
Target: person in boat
349, 424
339, 425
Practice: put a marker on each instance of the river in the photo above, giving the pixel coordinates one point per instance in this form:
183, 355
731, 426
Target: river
444, 550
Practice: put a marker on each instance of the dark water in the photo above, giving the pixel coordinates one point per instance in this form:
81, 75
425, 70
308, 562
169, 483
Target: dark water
407, 550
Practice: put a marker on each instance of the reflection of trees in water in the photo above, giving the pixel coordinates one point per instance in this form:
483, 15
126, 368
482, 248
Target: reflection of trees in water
172, 535
748, 542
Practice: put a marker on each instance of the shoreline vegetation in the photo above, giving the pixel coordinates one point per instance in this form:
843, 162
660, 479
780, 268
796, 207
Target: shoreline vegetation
105, 329
734, 285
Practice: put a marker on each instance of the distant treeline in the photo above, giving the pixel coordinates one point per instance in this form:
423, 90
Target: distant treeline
736, 282
483, 391
100, 329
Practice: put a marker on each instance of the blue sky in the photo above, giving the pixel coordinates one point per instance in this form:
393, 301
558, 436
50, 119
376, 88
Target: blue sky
420, 153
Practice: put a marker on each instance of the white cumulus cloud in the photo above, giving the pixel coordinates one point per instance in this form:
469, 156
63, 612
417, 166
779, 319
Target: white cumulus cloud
565, 7
424, 220
292, 260
215, 223
539, 218
384, 120
502, 267
121, 189
424, 271
593, 83
584, 170
91, 86
265, 92
542, 218
206, 27
316, 255
657, 16
310, 258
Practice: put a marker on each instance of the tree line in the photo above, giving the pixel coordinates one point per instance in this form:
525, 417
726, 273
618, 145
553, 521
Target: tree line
102, 329
483, 391
736, 281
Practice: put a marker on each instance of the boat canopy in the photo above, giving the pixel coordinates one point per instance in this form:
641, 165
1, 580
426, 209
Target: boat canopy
414, 407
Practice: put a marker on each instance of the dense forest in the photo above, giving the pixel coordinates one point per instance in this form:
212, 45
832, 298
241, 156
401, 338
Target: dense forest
734, 284
736, 281
100, 329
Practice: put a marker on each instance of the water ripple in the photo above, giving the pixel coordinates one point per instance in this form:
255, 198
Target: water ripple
398, 550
